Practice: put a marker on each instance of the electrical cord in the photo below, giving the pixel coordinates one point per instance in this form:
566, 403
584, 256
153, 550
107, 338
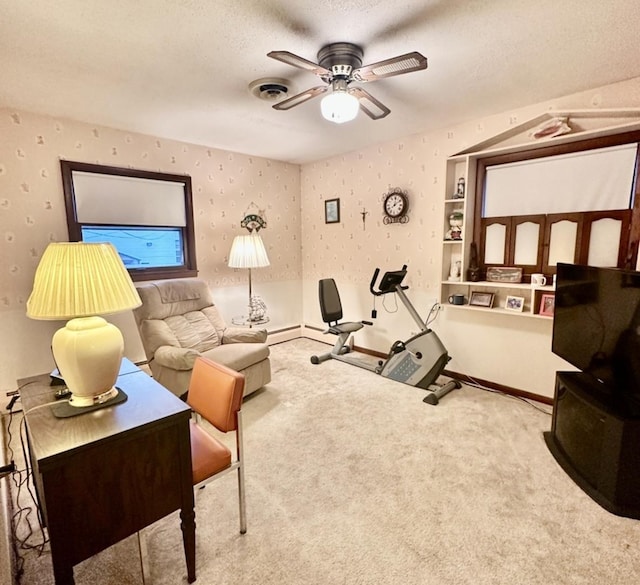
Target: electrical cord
475, 384
384, 305
21, 518
470, 381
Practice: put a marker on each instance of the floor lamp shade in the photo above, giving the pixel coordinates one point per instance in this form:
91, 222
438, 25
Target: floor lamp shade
248, 252
79, 281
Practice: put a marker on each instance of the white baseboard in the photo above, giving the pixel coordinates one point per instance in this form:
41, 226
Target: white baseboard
317, 335
284, 335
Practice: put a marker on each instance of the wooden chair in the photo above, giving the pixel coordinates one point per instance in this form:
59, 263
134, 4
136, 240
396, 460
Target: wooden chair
215, 394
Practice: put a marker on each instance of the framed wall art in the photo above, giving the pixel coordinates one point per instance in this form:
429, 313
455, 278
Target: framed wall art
332, 211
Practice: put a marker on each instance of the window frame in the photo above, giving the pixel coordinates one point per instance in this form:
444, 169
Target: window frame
630, 235
188, 269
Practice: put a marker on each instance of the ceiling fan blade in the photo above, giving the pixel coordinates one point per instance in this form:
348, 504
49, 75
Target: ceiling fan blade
372, 107
299, 62
389, 67
300, 98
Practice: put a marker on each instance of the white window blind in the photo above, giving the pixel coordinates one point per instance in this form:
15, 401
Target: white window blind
593, 180
118, 200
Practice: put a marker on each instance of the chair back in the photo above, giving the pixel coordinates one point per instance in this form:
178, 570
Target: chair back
330, 304
215, 393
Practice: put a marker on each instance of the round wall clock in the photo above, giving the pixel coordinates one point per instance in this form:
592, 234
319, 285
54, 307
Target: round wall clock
395, 207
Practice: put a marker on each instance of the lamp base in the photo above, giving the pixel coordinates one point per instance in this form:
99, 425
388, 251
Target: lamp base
88, 352
83, 401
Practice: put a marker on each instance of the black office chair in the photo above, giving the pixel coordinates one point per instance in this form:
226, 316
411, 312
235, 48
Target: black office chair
331, 309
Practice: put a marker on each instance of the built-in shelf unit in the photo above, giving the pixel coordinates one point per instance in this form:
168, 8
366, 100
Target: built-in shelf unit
584, 124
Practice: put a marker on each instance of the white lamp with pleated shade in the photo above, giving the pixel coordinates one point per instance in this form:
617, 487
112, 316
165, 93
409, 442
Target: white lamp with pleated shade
80, 281
248, 252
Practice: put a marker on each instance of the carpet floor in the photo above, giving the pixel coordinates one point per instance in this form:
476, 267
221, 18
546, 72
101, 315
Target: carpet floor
352, 479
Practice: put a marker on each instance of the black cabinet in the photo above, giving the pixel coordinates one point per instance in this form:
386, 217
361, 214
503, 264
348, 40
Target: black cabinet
595, 438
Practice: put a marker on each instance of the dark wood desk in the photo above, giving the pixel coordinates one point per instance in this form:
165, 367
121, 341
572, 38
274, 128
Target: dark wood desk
104, 475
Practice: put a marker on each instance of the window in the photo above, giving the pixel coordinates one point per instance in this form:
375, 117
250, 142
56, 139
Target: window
574, 203
147, 216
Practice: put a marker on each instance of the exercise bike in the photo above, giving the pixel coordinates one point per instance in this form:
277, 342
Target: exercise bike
419, 361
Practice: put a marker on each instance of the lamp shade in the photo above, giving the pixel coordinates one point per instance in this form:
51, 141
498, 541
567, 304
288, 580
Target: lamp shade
248, 252
339, 107
78, 279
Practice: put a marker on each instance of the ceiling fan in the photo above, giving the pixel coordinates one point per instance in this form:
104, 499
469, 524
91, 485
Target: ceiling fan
340, 64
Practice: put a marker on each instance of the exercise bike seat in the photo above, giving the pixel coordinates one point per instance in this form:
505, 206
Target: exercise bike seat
331, 308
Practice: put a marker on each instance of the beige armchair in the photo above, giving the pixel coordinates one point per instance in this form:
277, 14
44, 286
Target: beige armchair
178, 321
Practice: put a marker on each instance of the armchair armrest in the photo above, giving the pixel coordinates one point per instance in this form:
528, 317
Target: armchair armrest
243, 335
176, 358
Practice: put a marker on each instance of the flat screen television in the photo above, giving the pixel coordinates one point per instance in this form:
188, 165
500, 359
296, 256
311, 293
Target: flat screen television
596, 327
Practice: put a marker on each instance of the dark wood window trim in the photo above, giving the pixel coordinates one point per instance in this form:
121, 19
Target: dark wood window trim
628, 251
188, 236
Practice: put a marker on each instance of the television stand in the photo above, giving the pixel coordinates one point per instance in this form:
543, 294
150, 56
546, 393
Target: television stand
595, 440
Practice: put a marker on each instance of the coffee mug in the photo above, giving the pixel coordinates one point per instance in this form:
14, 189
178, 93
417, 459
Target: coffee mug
538, 280
456, 299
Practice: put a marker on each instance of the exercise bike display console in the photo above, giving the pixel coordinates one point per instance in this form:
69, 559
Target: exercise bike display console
418, 361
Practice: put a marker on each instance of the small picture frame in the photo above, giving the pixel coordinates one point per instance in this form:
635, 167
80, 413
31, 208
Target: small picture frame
332, 211
514, 303
547, 304
481, 299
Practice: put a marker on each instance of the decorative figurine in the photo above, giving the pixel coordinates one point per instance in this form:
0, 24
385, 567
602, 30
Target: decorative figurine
455, 269
455, 229
473, 272
459, 194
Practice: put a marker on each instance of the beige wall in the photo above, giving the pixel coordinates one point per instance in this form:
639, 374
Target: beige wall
510, 350
32, 214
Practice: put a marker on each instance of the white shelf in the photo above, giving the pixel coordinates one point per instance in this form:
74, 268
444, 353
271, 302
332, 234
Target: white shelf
490, 284
496, 310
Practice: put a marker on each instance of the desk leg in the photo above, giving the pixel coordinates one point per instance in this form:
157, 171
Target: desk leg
62, 572
188, 526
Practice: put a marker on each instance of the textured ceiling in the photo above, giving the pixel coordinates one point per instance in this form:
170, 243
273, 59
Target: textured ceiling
180, 69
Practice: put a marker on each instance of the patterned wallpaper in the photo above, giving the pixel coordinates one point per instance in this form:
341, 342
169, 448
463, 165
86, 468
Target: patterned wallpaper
225, 184
301, 246
352, 248
361, 241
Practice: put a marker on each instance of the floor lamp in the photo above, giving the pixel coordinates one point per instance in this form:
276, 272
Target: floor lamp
249, 252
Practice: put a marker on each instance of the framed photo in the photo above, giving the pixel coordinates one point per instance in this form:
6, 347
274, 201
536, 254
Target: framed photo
547, 304
481, 299
514, 303
332, 211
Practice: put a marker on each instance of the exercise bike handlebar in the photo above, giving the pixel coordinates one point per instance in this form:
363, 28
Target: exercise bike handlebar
391, 281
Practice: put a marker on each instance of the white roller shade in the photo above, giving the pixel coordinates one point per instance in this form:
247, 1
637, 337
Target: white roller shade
593, 180
118, 200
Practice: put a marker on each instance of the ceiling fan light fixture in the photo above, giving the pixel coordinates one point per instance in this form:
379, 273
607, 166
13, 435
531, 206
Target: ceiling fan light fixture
339, 107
